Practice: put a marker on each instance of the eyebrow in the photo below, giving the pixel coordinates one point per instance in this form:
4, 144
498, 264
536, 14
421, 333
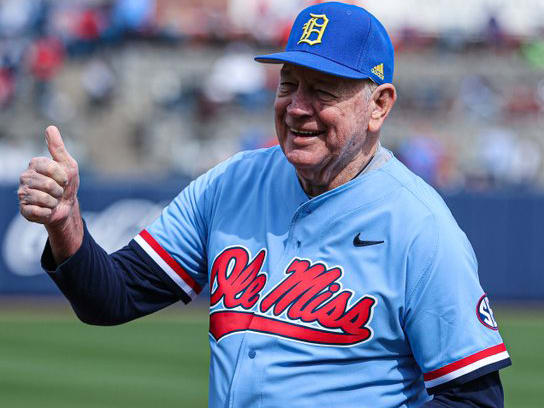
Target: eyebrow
285, 70
288, 71
325, 82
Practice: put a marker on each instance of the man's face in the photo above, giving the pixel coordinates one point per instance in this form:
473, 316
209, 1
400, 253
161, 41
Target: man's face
321, 121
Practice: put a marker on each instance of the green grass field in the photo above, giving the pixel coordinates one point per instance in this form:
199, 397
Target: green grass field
49, 359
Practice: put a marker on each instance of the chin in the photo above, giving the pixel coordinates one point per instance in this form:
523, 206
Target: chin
302, 160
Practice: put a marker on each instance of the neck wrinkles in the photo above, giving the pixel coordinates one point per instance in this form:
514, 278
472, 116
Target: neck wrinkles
347, 173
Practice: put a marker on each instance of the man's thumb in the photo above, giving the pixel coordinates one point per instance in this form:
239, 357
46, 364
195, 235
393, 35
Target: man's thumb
55, 145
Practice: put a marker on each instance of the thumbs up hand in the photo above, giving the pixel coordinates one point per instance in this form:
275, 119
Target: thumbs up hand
48, 187
48, 195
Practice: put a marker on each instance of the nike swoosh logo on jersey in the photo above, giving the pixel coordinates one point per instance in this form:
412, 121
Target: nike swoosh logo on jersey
360, 243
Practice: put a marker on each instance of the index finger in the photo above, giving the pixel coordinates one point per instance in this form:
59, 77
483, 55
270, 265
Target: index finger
49, 168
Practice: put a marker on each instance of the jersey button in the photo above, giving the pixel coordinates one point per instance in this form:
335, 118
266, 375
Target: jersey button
251, 354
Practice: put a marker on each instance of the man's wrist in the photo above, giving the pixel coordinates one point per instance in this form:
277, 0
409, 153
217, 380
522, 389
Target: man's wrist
66, 238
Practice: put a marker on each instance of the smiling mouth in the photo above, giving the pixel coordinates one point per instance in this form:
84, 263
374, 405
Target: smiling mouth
305, 133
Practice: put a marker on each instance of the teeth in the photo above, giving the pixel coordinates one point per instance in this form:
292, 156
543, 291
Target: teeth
303, 132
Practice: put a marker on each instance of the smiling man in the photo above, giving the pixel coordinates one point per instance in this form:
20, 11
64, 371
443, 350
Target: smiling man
328, 126
336, 276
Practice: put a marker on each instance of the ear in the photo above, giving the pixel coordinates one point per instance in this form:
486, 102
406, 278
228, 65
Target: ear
381, 101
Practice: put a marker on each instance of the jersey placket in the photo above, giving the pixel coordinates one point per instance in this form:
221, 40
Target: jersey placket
294, 238
248, 375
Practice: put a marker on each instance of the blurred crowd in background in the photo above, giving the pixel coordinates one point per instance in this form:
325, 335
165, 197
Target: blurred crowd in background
153, 88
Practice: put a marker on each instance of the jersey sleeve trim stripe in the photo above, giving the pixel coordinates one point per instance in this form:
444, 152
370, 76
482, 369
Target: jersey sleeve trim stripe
466, 365
157, 270
168, 264
459, 381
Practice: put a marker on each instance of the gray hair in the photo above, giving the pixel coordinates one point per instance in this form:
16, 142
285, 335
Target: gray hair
370, 87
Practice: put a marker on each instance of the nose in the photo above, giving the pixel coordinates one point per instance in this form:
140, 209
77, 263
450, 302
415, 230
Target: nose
300, 104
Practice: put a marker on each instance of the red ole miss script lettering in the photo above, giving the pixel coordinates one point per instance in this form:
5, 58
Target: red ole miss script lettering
309, 293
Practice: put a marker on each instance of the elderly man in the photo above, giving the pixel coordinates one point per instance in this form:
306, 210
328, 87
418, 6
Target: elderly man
336, 276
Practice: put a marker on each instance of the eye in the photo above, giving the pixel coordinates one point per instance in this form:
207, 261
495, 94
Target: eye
286, 87
325, 95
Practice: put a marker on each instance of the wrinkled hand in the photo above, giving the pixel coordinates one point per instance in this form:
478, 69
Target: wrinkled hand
48, 187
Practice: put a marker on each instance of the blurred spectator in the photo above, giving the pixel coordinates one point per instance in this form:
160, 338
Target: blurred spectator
20, 17
99, 82
13, 53
424, 155
236, 75
167, 90
426, 97
526, 162
46, 57
452, 40
88, 27
7, 87
494, 34
478, 98
508, 159
265, 20
132, 16
413, 39
523, 100
80, 26
495, 149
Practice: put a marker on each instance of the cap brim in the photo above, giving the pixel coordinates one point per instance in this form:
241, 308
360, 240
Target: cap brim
311, 61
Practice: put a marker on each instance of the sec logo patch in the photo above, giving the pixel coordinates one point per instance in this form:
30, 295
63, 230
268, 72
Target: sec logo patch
485, 314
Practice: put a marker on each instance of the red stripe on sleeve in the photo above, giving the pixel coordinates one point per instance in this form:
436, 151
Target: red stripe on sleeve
464, 362
166, 257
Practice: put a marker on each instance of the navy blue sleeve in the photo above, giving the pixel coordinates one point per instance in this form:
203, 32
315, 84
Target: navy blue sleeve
110, 289
484, 392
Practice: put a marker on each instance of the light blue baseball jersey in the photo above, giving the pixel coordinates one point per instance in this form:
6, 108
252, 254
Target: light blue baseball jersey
366, 295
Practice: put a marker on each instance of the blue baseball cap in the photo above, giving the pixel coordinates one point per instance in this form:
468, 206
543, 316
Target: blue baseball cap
341, 40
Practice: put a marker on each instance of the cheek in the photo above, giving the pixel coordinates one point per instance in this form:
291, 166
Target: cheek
344, 124
280, 105
279, 121
334, 119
